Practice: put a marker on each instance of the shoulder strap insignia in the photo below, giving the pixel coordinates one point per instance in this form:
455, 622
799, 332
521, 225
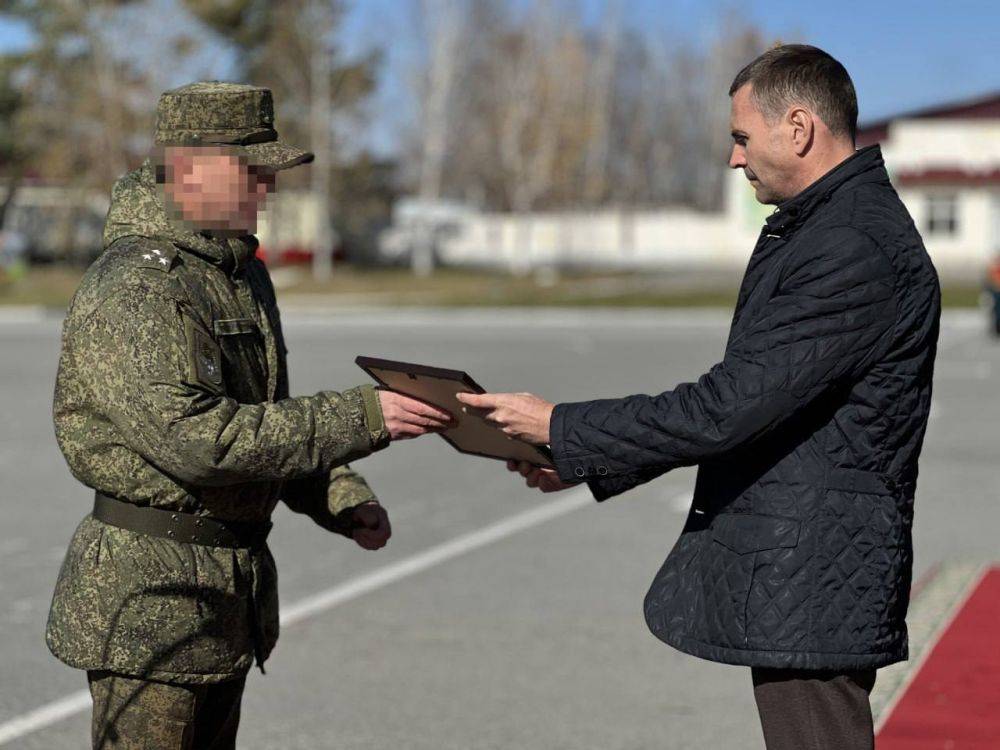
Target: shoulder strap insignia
160, 255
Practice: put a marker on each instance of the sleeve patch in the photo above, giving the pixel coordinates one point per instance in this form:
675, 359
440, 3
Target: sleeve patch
204, 357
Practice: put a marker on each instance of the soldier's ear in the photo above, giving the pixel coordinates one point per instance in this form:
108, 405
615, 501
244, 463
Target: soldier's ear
169, 160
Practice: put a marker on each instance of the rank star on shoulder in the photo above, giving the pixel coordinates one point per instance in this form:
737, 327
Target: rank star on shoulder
147, 256
164, 261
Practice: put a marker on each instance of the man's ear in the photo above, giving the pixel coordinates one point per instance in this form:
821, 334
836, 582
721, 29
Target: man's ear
802, 128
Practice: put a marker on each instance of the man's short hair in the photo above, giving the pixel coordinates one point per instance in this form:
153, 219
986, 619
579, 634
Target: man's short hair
801, 74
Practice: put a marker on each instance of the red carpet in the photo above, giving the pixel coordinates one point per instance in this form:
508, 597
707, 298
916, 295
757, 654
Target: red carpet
954, 701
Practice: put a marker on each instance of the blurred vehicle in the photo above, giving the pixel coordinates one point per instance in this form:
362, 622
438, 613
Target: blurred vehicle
291, 230
58, 224
415, 221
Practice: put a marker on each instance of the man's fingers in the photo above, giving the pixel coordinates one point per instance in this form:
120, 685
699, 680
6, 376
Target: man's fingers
410, 405
525, 468
484, 413
421, 421
404, 431
422, 408
423, 415
482, 400
478, 400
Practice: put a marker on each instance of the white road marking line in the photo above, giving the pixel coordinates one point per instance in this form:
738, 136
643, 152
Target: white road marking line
50, 713
682, 503
572, 500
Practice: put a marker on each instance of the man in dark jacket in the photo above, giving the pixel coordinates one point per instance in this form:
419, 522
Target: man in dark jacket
796, 556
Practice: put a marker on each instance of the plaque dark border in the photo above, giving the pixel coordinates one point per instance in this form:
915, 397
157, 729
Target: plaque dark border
459, 376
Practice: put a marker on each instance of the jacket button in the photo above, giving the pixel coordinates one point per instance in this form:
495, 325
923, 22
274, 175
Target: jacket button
580, 471
175, 517
199, 522
170, 533
602, 470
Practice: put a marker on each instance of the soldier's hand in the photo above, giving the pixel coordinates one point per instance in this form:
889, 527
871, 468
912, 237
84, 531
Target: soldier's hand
542, 478
371, 526
407, 417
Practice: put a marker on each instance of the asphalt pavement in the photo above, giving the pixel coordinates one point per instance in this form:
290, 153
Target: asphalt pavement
497, 617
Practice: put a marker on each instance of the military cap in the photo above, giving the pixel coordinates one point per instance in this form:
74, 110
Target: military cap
217, 112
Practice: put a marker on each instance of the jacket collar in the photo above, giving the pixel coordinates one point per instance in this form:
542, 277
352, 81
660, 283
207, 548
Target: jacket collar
863, 166
137, 208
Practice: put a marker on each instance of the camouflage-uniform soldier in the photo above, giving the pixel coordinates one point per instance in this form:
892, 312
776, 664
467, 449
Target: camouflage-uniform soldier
172, 403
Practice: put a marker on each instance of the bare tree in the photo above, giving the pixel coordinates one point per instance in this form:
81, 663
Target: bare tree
291, 47
542, 111
444, 24
600, 104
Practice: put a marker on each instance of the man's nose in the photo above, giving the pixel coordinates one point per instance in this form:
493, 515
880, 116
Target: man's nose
737, 158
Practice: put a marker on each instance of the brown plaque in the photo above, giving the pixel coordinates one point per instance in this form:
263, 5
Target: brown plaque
438, 386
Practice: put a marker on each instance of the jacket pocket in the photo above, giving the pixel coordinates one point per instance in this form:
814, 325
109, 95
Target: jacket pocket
746, 532
861, 566
245, 360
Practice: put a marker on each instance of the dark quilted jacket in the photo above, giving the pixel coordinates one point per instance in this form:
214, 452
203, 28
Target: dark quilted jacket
797, 550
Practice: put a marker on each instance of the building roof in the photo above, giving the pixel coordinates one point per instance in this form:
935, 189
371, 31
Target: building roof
950, 176
980, 108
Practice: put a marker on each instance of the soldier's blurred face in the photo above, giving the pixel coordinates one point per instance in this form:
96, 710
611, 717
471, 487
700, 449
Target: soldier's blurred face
213, 188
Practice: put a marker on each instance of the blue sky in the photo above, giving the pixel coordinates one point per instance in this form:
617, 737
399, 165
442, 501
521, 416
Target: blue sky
901, 55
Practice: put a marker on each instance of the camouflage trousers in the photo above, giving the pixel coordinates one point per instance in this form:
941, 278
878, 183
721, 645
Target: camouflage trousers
135, 714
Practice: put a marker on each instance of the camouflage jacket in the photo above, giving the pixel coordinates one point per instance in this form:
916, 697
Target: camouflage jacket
172, 392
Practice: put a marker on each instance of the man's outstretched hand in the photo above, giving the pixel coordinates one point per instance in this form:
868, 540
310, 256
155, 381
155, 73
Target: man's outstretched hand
544, 478
370, 525
407, 417
518, 415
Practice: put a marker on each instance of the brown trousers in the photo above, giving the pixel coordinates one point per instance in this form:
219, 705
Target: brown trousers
135, 714
805, 710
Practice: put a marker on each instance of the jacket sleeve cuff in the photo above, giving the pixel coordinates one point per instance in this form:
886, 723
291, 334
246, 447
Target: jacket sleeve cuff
374, 420
349, 426
603, 488
573, 464
347, 490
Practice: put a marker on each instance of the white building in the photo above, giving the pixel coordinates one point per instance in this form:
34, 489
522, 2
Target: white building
945, 163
